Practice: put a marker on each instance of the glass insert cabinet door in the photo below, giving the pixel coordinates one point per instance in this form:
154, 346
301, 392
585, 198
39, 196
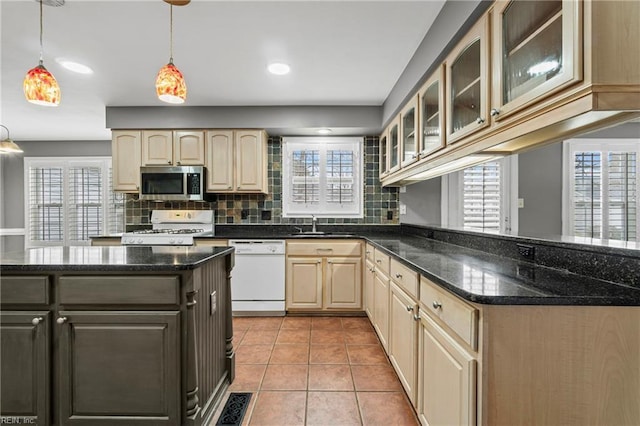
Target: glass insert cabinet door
467, 78
410, 140
431, 115
394, 145
536, 48
383, 155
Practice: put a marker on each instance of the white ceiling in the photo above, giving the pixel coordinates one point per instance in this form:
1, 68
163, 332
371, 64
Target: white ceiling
348, 52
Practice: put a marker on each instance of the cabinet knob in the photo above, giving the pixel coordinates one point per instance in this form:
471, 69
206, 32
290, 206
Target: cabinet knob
480, 120
378, 261
409, 308
319, 261
36, 320
414, 156
238, 188
436, 304
494, 112
328, 261
178, 163
229, 187
169, 162
398, 275
416, 317
61, 320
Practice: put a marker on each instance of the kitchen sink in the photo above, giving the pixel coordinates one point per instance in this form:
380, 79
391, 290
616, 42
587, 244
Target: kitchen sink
319, 234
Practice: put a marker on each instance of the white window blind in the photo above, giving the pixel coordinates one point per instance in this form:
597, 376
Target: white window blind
601, 191
481, 197
69, 200
322, 177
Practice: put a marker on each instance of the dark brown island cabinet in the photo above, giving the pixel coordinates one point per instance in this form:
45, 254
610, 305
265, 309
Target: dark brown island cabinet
106, 336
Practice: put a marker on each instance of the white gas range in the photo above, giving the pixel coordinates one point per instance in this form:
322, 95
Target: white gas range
172, 228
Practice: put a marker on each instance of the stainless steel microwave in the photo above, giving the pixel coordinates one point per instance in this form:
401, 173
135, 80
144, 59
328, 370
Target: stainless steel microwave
180, 183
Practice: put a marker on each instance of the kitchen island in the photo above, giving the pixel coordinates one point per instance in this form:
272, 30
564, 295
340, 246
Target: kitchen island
115, 335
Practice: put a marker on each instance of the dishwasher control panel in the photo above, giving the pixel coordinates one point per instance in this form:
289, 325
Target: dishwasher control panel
249, 247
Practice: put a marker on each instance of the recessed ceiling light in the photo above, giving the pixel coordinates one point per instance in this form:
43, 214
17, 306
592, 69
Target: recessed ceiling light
324, 131
75, 67
279, 68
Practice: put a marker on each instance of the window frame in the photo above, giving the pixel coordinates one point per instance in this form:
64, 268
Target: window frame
66, 163
356, 144
452, 200
604, 146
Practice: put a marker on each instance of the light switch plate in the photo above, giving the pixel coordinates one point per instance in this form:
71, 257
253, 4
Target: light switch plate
403, 209
521, 203
403, 189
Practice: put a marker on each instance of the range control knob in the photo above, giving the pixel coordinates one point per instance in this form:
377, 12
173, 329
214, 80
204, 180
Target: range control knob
139, 241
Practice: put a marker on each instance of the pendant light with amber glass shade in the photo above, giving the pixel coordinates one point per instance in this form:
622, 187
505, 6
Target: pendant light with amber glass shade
170, 84
40, 86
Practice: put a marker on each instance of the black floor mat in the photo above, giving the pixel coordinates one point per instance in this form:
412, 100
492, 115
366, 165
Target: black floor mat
234, 409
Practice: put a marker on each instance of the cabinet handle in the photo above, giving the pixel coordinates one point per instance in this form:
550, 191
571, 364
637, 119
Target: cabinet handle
229, 187
178, 163
168, 162
36, 320
409, 308
238, 188
414, 156
378, 261
416, 317
494, 112
328, 261
61, 320
398, 275
319, 261
368, 252
480, 120
436, 304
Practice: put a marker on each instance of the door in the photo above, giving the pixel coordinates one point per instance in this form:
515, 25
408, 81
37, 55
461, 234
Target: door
25, 366
304, 283
119, 368
410, 146
446, 378
468, 83
126, 151
189, 148
369, 276
343, 283
432, 114
537, 47
383, 154
381, 307
219, 152
394, 145
403, 339
250, 161
157, 147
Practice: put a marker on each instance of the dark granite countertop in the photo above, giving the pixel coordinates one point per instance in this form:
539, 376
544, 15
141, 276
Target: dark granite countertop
115, 258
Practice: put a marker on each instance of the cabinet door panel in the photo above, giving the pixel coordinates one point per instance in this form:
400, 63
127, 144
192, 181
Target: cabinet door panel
24, 366
250, 161
126, 151
189, 148
381, 308
219, 152
403, 339
157, 148
119, 368
369, 277
304, 283
447, 378
344, 283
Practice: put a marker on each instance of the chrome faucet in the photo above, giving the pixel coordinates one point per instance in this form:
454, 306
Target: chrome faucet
298, 229
314, 221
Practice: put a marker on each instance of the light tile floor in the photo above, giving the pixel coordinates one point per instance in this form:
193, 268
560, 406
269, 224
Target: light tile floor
328, 371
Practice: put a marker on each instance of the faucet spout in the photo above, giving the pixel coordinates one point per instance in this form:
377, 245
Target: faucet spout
314, 221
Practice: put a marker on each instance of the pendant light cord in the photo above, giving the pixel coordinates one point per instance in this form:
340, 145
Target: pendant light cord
41, 49
170, 33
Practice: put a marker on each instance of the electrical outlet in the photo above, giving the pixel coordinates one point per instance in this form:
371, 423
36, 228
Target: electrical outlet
521, 203
403, 189
244, 214
403, 208
389, 214
528, 252
265, 215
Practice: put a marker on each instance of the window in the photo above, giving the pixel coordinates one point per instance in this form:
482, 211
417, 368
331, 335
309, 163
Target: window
480, 198
69, 200
322, 177
600, 190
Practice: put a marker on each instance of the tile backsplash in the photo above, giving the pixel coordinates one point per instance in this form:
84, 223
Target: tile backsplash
379, 203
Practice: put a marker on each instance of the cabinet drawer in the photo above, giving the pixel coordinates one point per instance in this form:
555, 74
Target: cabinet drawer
461, 317
24, 290
368, 252
381, 261
324, 248
121, 290
405, 278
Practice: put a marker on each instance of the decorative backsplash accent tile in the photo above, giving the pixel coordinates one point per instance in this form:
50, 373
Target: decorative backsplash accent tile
251, 208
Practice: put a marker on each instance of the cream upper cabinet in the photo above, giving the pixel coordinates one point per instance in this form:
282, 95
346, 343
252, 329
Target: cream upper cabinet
446, 378
467, 95
409, 136
536, 51
432, 123
177, 148
219, 152
236, 161
157, 147
324, 275
383, 154
125, 152
188, 148
403, 339
251, 161
393, 145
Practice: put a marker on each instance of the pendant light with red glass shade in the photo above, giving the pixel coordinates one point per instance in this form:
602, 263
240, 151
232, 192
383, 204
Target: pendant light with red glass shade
170, 84
40, 86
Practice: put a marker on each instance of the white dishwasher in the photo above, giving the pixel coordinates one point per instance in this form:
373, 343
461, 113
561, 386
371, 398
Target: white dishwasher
257, 278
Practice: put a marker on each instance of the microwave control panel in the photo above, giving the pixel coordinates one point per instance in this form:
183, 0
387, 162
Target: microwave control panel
193, 183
